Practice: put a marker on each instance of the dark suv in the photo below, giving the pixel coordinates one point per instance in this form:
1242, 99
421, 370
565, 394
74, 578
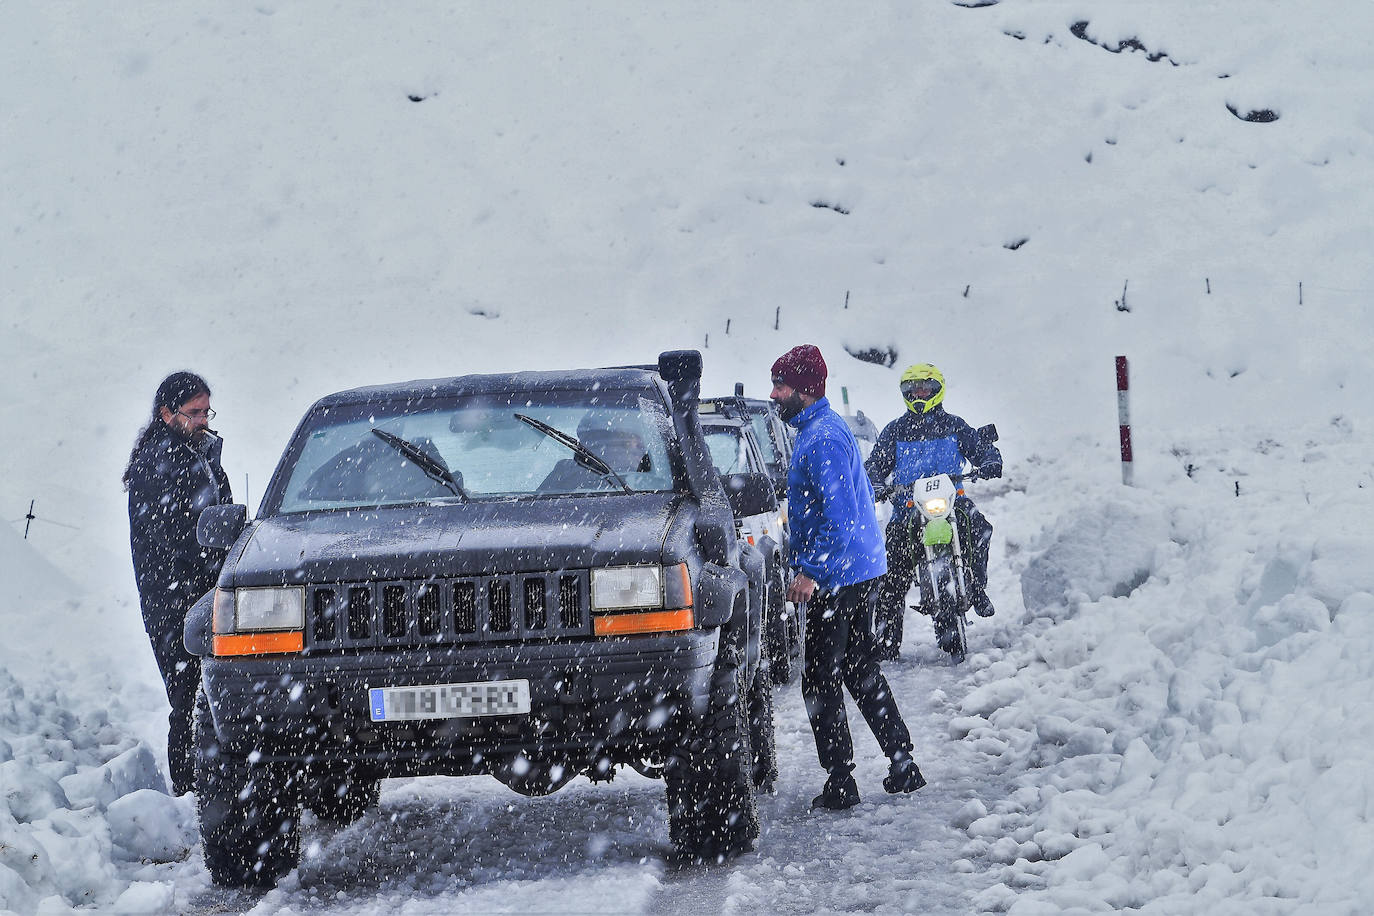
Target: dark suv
533, 576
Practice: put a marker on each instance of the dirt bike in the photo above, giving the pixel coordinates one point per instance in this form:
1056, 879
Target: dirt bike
942, 569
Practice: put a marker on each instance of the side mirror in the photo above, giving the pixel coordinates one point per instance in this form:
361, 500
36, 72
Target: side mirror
988, 433
714, 547
220, 526
749, 494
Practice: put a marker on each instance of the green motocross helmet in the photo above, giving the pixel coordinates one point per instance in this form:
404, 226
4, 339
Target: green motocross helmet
923, 386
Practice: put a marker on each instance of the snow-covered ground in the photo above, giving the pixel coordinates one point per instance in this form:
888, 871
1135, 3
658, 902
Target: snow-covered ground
1172, 711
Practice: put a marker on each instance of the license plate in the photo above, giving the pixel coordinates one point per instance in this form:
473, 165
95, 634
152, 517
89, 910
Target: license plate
450, 701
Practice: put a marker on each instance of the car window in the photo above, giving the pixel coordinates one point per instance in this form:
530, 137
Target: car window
480, 443
729, 452
764, 437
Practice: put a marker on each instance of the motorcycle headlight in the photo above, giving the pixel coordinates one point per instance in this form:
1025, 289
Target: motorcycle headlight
619, 587
936, 507
269, 609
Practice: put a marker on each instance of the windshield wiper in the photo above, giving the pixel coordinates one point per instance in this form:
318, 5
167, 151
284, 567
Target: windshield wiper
432, 468
590, 459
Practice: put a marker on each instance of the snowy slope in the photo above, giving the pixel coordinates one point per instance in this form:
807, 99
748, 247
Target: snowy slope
1169, 713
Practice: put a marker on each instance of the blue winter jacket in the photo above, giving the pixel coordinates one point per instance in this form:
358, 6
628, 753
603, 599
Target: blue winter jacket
922, 445
835, 537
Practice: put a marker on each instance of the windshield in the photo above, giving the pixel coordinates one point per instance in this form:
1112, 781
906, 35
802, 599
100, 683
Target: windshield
347, 456
729, 453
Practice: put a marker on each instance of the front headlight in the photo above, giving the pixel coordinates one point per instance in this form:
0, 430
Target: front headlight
620, 587
269, 609
936, 507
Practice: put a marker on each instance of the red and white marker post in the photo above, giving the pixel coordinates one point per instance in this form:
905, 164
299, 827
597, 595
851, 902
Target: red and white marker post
1123, 418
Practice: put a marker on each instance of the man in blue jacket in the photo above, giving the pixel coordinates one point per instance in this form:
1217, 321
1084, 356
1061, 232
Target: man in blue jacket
837, 550
924, 441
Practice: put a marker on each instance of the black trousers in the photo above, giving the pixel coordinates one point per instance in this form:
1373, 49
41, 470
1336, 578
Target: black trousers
163, 618
975, 540
841, 653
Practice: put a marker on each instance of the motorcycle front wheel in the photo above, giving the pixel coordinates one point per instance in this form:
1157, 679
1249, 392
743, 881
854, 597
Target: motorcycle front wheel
950, 608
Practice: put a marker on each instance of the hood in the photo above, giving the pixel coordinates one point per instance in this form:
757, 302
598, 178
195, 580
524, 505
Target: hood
479, 538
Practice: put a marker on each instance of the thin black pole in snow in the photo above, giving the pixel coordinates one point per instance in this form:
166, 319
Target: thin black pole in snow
1299, 292
1123, 416
966, 289
727, 327
777, 315
707, 344
28, 520
1208, 281
846, 300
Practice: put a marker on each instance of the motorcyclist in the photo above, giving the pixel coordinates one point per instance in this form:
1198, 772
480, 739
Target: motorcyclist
924, 441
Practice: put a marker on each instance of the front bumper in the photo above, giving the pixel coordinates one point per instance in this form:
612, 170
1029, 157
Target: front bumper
624, 698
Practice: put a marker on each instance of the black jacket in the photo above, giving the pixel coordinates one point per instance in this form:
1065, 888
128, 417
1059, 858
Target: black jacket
170, 482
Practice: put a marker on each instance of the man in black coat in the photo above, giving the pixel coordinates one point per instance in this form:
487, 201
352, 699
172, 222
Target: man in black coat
173, 474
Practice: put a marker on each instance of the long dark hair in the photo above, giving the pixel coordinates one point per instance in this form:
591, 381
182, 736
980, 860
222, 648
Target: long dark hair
175, 390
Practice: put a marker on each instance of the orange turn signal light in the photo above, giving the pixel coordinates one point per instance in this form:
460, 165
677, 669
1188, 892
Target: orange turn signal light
644, 622
274, 643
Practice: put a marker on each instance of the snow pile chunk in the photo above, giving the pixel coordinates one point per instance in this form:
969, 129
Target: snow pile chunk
132, 770
1098, 549
145, 897
149, 825
28, 793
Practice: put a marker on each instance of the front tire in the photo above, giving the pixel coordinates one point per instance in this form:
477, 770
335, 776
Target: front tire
949, 613
712, 810
763, 743
249, 818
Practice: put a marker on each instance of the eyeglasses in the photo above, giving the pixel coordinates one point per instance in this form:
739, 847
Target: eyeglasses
207, 414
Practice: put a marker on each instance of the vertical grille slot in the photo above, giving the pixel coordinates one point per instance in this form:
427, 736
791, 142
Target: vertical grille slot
394, 615
569, 602
498, 603
465, 608
427, 603
536, 613
324, 615
359, 612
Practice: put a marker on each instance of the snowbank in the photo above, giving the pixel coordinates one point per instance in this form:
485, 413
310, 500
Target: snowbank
83, 800
1189, 726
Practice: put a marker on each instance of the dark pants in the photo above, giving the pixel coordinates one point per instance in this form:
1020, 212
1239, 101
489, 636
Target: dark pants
164, 619
975, 540
841, 653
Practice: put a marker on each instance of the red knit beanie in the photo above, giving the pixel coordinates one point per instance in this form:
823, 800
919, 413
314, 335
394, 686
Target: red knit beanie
802, 368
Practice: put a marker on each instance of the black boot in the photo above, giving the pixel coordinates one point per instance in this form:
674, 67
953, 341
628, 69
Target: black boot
840, 792
903, 775
982, 604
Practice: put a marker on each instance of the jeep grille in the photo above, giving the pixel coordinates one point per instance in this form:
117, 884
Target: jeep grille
426, 612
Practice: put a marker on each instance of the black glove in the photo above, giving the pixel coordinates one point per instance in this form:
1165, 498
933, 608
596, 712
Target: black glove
990, 471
